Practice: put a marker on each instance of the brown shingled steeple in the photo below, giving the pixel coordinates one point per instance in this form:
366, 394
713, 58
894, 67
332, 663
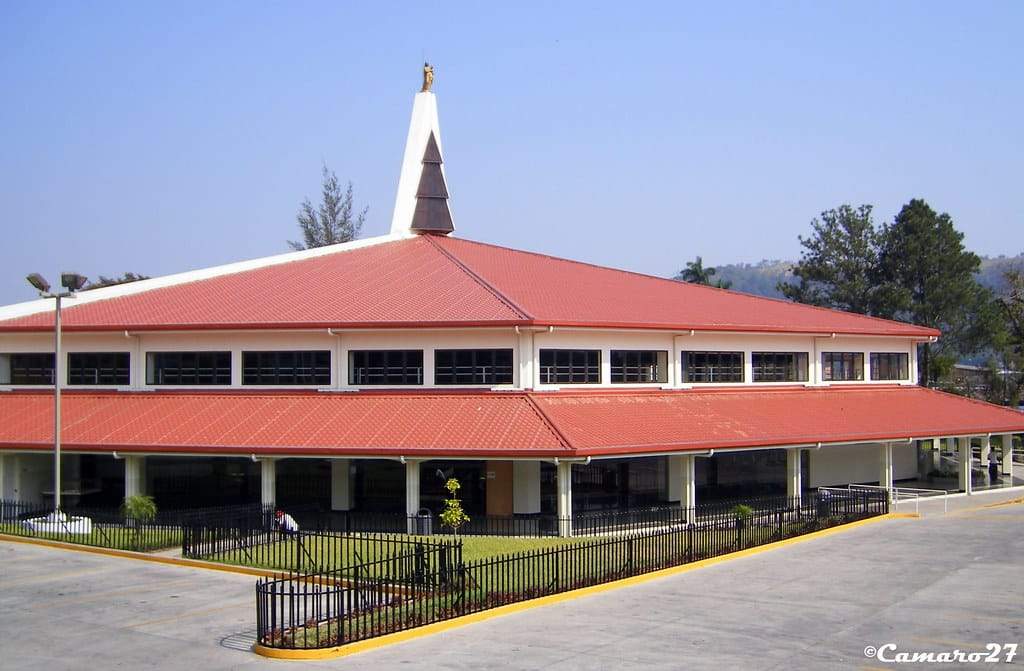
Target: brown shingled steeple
431, 214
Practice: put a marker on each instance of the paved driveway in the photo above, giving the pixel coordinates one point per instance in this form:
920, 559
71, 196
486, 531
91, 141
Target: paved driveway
933, 584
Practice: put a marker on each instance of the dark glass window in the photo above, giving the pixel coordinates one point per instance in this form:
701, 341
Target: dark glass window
473, 366
570, 366
639, 366
32, 368
890, 366
713, 366
779, 366
99, 368
188, 368
842, 366
287, 367
401, 366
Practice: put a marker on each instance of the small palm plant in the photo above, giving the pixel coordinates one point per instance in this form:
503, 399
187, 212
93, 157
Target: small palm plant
138, 510
453, 516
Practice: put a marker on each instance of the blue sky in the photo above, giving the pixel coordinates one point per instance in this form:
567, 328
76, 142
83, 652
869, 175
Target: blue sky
156, 138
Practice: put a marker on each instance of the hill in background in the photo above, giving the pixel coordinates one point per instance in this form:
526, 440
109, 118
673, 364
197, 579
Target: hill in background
762, 278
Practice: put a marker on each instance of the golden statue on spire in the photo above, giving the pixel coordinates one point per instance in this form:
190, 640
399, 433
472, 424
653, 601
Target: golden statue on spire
428, 77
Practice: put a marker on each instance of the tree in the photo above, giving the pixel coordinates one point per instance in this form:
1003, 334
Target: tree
838, 267
696, 273
453, 516
138, 511
922, 257
105, 281
333, 221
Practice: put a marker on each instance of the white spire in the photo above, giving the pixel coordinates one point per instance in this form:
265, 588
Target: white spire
421, 205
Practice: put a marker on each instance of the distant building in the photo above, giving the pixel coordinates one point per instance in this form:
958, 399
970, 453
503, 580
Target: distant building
359, 376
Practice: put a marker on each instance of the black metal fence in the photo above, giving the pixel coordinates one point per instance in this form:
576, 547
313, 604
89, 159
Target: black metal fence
98, 527
538, 525
309, 611
319, 552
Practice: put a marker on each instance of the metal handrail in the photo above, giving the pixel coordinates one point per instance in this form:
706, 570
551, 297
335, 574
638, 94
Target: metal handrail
910, 492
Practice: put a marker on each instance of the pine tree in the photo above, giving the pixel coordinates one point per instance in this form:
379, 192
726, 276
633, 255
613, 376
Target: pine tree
922, 254
333, 221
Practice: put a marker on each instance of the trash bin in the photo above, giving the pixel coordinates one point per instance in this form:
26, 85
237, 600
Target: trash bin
824, 503
423, 523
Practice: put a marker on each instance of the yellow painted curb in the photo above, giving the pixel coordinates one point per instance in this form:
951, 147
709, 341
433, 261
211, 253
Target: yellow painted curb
437, 627
142, 556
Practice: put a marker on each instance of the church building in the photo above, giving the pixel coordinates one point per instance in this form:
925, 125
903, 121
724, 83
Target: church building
358, 376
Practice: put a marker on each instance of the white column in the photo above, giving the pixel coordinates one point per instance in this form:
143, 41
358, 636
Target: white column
688, 485
8, 474
412, 492
268, 482
1007, 454
986, 450
134, 475
885, 470
794, 484
564, 485
964, 450
525, 487
526, 371
341, 484
675, 477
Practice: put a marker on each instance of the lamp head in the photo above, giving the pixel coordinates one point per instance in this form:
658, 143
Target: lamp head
72, 281
40, 283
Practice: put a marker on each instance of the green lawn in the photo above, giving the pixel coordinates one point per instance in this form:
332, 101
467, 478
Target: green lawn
113, 536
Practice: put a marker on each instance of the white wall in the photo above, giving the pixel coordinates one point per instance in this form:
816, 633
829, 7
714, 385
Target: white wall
842, 465
524, 345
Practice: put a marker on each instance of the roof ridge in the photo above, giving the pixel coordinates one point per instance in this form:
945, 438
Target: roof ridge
528, 395
693, 285
512, 305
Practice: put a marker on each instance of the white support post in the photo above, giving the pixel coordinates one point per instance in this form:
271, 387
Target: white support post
688, 485
675, 477
8, 469
412, 493
134, 475
885, 477
341, 484
564, 484
525, 487
1008, 454
794, 484
986, 450
964, 451
268, 482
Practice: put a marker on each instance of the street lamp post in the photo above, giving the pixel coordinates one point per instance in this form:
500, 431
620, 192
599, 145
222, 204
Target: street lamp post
72, 282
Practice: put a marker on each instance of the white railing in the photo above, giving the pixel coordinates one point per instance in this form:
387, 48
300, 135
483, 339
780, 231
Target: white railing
912, 493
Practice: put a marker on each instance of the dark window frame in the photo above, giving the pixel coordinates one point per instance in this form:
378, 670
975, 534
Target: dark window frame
721, 366
567, 367
635, 364
306, 368
850, 366
773, 366
473, 366
902, 365
188, 368
31, 369
109, 369
394, 366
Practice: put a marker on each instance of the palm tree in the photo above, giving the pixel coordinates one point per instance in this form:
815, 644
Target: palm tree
696, 273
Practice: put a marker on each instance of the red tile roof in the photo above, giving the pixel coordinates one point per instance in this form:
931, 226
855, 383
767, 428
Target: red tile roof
443, 281
486, 424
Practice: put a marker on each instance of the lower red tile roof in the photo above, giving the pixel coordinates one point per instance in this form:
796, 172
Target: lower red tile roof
484, 424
